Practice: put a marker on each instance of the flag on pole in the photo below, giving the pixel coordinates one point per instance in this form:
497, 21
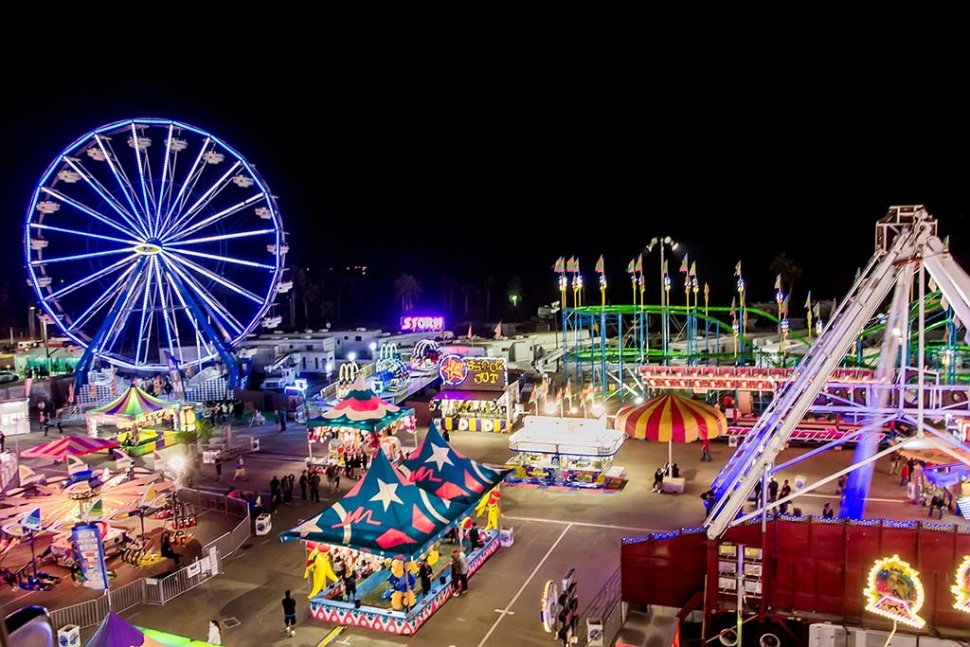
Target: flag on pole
778, 283
470, 334
560, 266
946, 244
693, 270
685, 265
569, 391
808, 301
572, 265
639, 268
784, 307
817, 310
664, 269
600, 267
631, 268
858, 273
737, 269
734, 304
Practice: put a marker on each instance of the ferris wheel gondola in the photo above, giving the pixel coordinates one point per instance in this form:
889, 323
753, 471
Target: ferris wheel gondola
149, 240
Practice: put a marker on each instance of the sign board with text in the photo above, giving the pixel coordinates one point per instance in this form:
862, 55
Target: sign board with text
422, 324
86, 538
473, 373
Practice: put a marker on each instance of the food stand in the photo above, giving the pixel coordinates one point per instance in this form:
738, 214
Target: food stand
475, 394
571, 452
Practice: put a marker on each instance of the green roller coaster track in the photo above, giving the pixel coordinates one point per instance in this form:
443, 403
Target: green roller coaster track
713, 324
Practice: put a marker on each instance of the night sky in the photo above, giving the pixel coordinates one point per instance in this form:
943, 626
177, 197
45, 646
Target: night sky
499, 172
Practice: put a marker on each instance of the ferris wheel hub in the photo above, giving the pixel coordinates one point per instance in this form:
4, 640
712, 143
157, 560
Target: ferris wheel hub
148, 249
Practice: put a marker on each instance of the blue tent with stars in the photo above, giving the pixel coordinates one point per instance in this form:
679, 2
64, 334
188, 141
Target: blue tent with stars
440, 469
383, 514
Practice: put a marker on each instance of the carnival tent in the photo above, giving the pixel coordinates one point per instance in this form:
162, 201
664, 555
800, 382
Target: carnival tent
442, 470
671, 418
115, 631
131, 405
361, 409
61, 448
382, 514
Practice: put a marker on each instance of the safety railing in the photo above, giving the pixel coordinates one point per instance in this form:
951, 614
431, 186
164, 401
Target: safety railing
92, 612
158, 591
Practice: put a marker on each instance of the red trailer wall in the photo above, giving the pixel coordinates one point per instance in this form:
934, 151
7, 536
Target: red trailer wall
810, 567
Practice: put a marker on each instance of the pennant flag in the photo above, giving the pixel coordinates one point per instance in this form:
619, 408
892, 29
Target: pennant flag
664, 268
600, 266
734, 304
95, 512
534, 395
573, 265
931, 284
784, 307
639, 267
31, 521
808, 301
817, 310
631, 268
498, 330
470, 335
946, 244
685, 265
560, 266
858, 273
559, 398
707, 291
737, 269
778, 283
693, 270
75, 465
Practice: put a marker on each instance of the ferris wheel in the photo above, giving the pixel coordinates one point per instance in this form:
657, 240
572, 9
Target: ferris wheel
150, 240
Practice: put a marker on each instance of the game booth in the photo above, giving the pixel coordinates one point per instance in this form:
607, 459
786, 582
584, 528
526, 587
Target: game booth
392, 519
566, 452
360, 421
148, 423
475, 394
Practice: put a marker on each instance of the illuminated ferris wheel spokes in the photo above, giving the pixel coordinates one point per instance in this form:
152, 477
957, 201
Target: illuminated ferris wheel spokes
140, 253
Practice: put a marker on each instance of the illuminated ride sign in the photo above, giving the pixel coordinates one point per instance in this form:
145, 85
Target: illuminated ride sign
961, 586
473, 373
895, 592
423, 324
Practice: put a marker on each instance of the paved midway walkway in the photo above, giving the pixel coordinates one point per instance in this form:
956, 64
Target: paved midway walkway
554, 531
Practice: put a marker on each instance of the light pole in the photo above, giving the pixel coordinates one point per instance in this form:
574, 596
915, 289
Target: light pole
31, 326
664, 290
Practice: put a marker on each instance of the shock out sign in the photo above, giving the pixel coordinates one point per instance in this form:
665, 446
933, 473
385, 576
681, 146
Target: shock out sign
423, 324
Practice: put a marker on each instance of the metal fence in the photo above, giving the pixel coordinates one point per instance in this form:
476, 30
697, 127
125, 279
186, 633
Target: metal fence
158, 591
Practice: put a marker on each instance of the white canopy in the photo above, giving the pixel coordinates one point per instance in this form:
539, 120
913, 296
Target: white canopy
571, 436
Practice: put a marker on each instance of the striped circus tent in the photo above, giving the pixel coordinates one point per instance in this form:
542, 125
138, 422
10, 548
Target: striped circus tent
671, 418
131, 405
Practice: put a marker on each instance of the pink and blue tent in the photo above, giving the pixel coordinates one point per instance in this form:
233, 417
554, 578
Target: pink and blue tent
383, 514
437, 467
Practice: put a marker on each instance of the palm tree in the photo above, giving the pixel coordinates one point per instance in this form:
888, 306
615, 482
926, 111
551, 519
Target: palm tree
489, 284
514, 292
448, 287
790, 273
467, 289
407, 288
306, 292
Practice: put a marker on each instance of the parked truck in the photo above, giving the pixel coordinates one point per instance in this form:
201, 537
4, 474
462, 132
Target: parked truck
795, 573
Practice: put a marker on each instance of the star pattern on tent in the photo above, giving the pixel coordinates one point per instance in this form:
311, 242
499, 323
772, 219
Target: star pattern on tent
387, 494
439, 456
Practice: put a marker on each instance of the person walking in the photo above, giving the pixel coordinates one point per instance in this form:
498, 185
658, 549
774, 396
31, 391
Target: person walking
462, 571
219, 467
289, 614
240, 470
304, 481
215, 633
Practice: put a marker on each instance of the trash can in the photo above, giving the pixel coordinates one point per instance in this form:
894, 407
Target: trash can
594, 632
264, 524
69, 636
505, 537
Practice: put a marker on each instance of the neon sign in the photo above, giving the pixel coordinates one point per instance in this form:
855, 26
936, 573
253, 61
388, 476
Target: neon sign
961, 586
473, 373
895, 592
423, 324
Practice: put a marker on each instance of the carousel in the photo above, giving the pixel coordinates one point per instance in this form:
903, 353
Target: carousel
672, 418
147, 423
390, 521
360, 422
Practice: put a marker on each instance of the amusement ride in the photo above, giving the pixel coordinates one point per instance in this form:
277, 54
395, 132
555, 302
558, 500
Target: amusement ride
151, 242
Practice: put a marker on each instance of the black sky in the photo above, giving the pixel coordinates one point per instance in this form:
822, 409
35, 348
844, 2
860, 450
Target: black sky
499, 167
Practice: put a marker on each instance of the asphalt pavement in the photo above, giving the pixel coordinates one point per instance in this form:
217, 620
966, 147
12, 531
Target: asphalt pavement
554, 531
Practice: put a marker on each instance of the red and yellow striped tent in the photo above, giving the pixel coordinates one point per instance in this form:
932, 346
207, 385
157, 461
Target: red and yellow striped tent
671, 418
